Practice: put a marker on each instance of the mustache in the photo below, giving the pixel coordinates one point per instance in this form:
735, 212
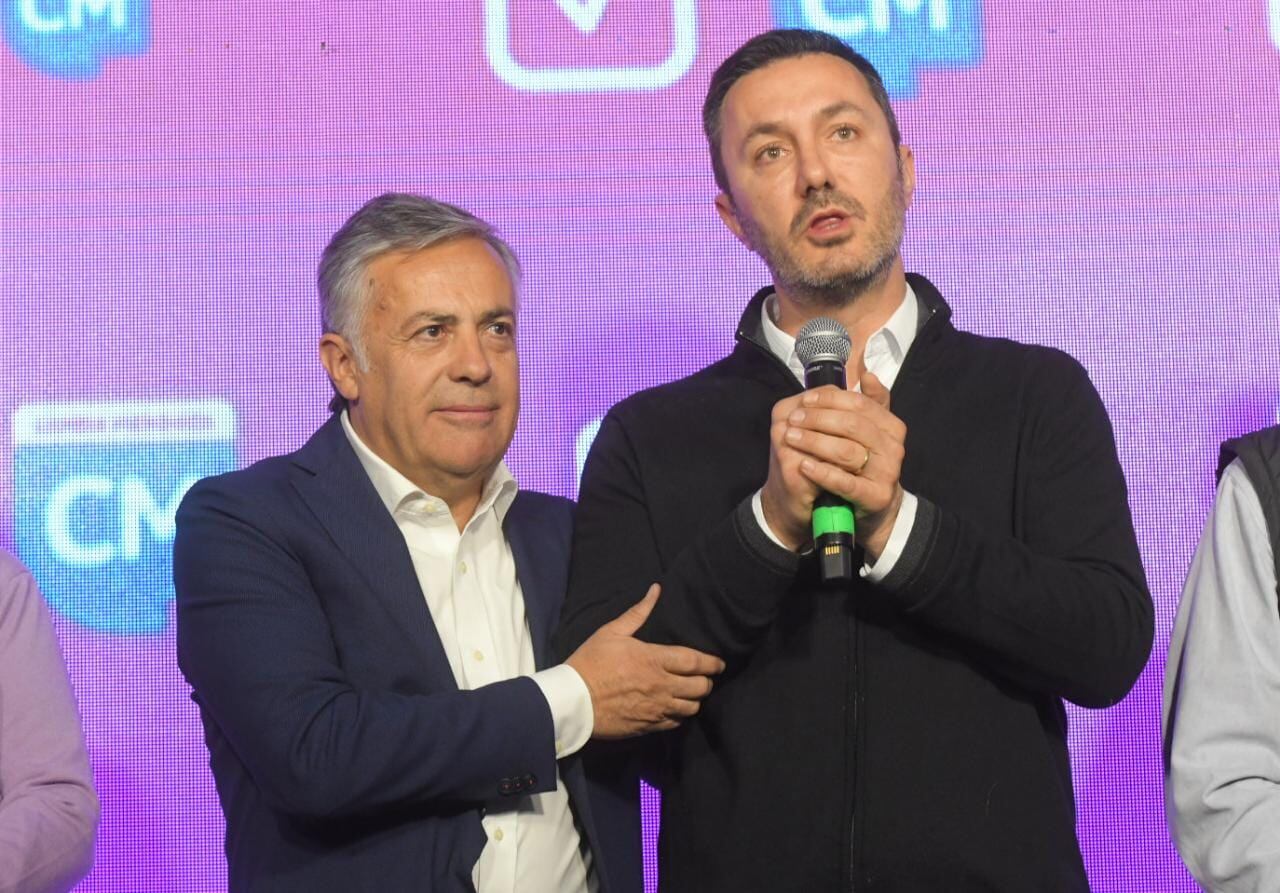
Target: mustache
821, 200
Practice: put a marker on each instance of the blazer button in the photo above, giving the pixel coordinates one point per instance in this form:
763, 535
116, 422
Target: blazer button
530, 780
506, 787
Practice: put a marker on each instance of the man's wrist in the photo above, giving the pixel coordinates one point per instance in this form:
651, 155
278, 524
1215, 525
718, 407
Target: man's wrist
769, 516
572, 712
881, 528
877, 570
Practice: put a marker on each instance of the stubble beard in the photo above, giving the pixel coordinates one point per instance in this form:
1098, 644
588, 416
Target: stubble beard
840, 282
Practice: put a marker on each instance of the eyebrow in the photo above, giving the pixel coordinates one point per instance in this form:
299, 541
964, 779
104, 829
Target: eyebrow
450, 319
497, 313
773, 128
765, 128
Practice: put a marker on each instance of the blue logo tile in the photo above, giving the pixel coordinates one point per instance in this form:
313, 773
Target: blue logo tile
96, 489
72, 38
899, 37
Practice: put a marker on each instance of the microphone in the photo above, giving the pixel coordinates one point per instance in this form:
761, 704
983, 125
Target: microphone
823, 347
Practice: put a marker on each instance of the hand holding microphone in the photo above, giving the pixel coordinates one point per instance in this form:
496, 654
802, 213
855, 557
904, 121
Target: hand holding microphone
832, 449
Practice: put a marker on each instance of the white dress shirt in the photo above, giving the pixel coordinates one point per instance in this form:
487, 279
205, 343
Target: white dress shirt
1222, 701
469, 581
883, 357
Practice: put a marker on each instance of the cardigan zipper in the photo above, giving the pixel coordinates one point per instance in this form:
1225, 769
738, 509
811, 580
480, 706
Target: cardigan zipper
780, 364
855, 684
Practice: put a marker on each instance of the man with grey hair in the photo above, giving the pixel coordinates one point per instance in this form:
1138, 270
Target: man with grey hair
365, 621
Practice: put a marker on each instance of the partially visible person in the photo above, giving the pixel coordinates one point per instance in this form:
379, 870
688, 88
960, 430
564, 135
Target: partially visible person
1222, 682
48, 808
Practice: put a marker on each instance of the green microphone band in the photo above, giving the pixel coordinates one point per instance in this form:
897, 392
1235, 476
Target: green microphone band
832, 519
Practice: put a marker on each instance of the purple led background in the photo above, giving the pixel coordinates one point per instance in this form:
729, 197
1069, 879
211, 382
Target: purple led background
1104, 179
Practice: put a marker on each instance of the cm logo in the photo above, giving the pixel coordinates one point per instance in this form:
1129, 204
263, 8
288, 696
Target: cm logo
898, 37
72, 38
116, 511
97, 486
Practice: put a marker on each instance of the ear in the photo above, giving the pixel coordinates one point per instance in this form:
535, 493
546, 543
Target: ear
340, 362
907, 164
729, 215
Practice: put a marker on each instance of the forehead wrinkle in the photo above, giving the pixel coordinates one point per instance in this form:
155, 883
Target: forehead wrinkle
409, 292
842, 106
433, 315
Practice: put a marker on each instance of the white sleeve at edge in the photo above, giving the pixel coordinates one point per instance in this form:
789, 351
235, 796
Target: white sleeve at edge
1222, 701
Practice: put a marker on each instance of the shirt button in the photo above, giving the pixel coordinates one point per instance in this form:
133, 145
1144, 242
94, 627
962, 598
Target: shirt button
462, 567
478, 654
498, 835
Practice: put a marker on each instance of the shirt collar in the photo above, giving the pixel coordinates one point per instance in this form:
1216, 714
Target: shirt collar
894, 337
401, 495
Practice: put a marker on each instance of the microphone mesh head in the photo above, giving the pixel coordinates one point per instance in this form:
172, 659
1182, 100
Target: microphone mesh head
822, 339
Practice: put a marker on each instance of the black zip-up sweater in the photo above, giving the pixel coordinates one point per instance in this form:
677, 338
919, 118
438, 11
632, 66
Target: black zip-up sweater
905, 736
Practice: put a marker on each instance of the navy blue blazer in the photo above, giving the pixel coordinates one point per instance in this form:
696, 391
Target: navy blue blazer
345, 756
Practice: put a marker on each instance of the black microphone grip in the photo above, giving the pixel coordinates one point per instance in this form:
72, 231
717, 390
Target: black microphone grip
833, 523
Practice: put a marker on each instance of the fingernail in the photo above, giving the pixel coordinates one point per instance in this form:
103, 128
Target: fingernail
793, 435
796, 417
809, 398
806, 464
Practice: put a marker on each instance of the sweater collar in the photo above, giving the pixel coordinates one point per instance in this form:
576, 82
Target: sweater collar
883, 352
751, 325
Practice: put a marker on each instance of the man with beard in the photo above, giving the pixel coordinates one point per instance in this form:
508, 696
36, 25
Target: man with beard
903, 731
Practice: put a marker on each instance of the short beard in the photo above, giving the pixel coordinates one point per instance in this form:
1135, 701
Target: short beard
833, 289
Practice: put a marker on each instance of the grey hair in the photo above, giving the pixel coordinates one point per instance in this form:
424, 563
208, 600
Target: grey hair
394, 221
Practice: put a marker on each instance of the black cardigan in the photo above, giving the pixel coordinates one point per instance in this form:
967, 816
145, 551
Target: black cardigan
906, 736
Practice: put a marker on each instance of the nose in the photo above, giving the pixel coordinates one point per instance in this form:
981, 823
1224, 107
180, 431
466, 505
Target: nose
813, 172
469, 361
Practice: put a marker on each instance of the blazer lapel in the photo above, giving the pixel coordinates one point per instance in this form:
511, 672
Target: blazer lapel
339, 492
538, 568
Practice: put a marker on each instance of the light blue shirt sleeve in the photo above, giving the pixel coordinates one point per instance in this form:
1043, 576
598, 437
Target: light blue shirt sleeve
1222, 701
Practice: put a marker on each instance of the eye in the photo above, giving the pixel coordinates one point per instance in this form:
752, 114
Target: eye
502, 329
844, 132
769, 153
431, 332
